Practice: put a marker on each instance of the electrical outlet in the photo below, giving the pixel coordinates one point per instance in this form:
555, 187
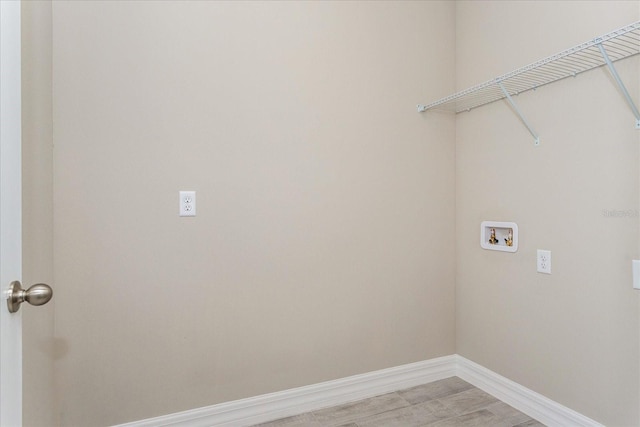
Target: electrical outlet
187, 203
544, 261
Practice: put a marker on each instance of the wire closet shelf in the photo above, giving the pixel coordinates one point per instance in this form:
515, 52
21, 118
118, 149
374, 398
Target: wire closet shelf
604, 50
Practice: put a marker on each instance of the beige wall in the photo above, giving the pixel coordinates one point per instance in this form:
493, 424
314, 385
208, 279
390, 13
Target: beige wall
37, 221
324, 241
573, 335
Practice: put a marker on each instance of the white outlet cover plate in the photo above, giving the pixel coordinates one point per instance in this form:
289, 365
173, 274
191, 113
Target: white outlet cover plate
544, 267
502, 229
187, 203
636, 273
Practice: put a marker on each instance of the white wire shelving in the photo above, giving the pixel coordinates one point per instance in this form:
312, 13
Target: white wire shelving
601, 51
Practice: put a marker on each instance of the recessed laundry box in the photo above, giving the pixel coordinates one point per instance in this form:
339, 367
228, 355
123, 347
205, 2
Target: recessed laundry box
499, 236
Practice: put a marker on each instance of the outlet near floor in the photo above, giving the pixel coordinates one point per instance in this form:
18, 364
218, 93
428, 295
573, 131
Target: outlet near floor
544, 261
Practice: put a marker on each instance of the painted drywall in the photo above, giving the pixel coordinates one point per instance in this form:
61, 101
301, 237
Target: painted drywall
571, 335
37, 212
324, 241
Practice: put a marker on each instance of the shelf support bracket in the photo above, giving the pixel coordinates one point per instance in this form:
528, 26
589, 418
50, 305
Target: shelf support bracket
536, 138
620, 84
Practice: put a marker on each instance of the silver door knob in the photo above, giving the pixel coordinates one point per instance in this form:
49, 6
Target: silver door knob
39, 294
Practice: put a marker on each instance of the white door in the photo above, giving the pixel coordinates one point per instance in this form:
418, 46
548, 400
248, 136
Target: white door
10, 213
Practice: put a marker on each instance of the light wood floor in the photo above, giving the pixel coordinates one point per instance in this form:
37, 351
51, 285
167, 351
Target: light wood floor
447, 403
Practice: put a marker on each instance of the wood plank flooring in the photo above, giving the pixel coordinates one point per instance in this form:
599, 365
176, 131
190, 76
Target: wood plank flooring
451, 402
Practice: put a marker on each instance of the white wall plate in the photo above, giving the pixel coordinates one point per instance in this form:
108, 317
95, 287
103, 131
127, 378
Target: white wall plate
636, 273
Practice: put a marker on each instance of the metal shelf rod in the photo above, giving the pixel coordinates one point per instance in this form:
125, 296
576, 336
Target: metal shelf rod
621, 85
536, 138
604, 50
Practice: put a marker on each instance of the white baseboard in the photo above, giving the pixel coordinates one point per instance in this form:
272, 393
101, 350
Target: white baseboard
268, 407
531, 403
